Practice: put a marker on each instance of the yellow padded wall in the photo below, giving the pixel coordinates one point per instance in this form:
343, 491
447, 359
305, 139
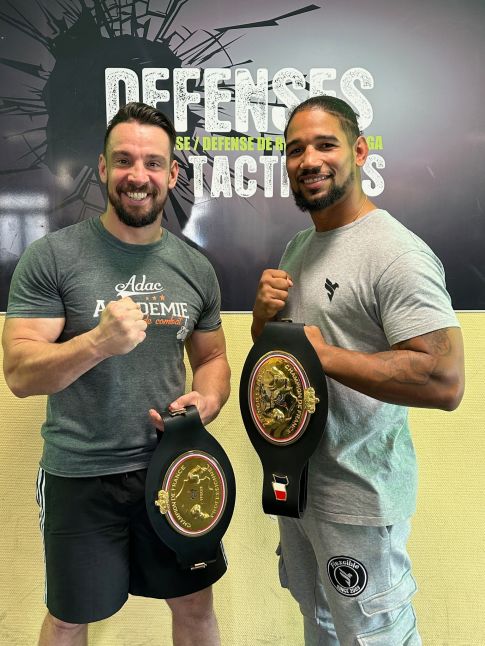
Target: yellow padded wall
447, 543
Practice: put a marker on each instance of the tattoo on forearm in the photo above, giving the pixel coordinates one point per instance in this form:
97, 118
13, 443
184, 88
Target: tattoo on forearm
439, 342
415, 365
406, 367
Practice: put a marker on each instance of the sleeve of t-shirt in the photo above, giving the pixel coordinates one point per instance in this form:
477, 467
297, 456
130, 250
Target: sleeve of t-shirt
286, 253
412, 297
293, 250
210, 317
34, 291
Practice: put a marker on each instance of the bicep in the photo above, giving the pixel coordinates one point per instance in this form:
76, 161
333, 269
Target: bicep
439, 343
445, 346
22, 337
17, 330
203, 347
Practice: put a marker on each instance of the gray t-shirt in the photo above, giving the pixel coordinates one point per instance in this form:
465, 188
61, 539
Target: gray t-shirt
99, 424
367, 286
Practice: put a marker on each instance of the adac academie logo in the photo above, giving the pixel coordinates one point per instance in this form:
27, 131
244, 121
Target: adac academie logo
330, 287
348, 576
154, 305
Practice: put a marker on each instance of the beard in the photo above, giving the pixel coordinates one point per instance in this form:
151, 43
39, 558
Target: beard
132, 217
335, 193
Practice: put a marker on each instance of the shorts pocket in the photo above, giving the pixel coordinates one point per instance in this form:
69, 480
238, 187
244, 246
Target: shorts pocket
282, 568
400, 632
391, 599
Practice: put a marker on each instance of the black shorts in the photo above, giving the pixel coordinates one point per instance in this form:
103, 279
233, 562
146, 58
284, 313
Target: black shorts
100, 547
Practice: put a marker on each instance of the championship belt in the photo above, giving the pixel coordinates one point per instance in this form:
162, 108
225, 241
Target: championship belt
190, 489
284, 404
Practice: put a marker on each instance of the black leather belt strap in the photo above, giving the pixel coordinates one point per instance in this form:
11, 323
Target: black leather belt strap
284, 404
190, 489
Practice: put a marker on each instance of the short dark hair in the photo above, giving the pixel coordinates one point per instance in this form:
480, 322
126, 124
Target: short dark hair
337, 107
142, 113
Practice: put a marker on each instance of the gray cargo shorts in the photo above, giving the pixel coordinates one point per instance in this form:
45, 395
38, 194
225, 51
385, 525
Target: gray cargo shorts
353, 583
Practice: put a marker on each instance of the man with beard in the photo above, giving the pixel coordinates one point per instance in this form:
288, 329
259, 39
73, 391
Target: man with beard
95, 320
373, 299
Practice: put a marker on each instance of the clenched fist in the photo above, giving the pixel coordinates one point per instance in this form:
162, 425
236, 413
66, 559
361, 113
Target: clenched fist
272, 293
271, 297
121, 327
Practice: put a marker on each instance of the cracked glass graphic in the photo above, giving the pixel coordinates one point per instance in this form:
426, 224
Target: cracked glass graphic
57, 120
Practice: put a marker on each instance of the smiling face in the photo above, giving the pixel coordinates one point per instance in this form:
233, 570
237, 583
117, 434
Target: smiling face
321, 162
139, 173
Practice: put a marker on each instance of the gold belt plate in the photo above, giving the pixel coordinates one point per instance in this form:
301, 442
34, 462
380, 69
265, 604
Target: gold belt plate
193, 494
281, 398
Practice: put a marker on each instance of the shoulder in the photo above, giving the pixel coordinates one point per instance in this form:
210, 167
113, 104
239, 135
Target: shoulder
72, 231
387, 231
51, 254
65, 238
386, 240
299, 240
187, 254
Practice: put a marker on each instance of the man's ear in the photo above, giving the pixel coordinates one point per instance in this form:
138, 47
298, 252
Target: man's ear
103, 174
361, 150
174, 173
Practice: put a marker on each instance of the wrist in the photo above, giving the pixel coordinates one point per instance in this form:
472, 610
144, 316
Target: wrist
325, 353
257, 326
95, 341
212, 406
334, 360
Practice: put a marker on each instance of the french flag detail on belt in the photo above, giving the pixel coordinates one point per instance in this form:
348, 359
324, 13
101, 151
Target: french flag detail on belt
279, 487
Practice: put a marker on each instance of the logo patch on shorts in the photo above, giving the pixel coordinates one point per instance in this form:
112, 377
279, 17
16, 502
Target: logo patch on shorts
348, 576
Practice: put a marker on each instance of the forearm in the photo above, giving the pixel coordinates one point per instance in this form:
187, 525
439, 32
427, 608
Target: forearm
212, 381
257, 327
43, 368
402, 377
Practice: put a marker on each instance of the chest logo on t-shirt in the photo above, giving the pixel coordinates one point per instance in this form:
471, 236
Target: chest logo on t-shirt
138, 287
330, 287
155, 304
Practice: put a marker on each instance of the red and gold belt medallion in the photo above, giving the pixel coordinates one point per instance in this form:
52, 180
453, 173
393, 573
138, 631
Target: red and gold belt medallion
193, 494
280, 397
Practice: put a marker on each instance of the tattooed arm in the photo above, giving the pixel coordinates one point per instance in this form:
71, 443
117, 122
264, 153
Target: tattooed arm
425, 371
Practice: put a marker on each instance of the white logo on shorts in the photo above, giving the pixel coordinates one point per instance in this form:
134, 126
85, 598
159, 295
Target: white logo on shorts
348, 576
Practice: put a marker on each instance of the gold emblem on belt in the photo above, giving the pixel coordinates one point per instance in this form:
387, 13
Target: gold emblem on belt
281, 398
193, 494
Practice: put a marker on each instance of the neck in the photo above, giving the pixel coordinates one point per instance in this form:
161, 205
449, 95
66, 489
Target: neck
344, 212
132, 235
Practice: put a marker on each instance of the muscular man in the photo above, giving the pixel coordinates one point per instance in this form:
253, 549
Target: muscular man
98, 317
373, 298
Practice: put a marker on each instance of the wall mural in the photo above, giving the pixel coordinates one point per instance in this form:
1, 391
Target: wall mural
227, 72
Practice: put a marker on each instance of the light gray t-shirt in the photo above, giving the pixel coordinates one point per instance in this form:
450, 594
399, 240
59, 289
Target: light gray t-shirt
99, 424
367, 286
